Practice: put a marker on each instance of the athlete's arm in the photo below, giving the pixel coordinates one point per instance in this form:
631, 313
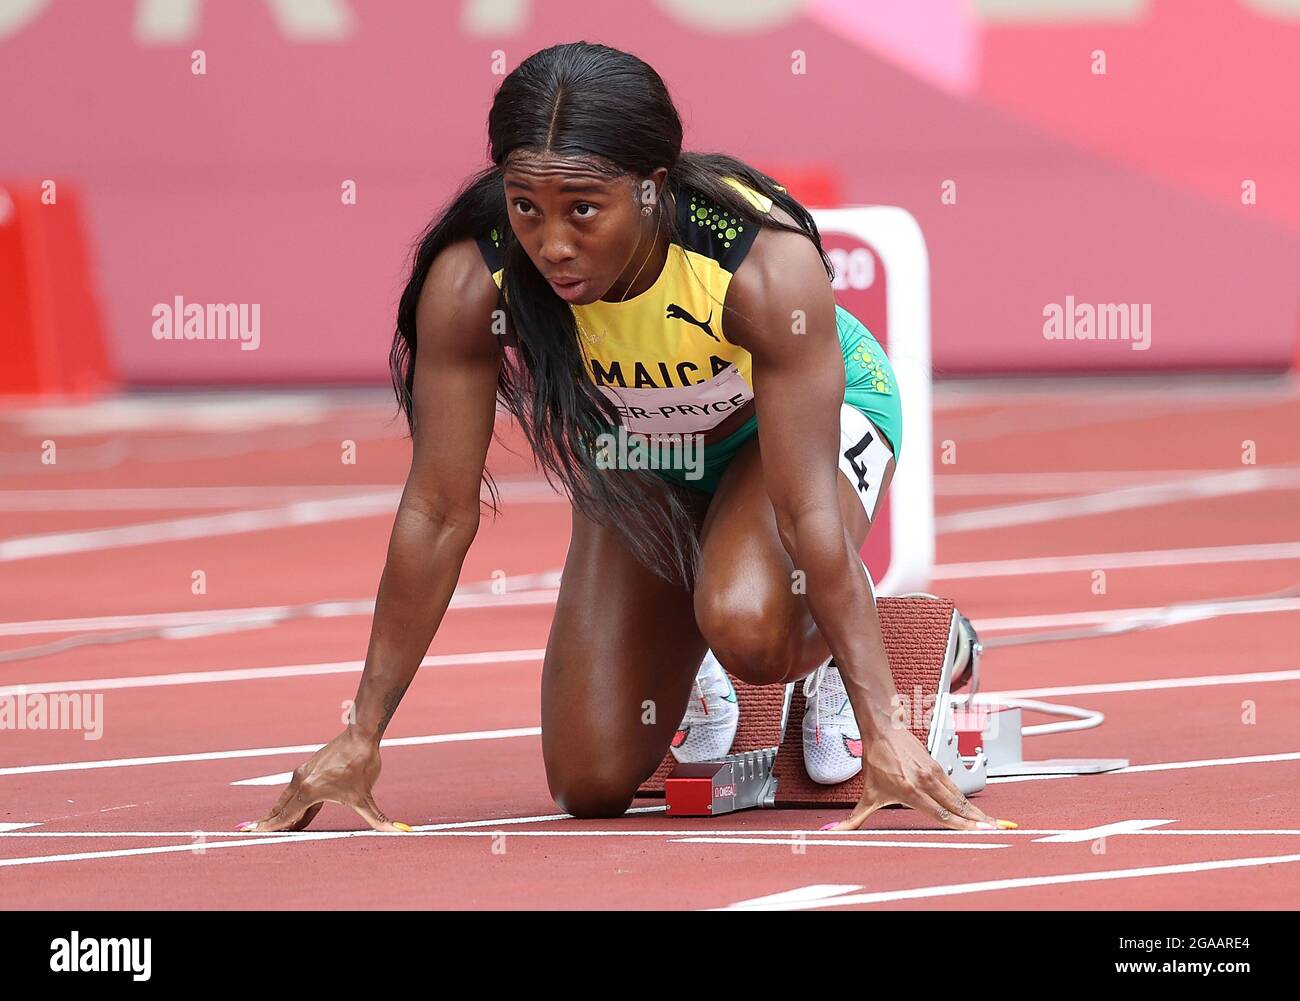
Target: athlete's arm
457, 360
781, 309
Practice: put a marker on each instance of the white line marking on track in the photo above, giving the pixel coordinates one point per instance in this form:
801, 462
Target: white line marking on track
1164, 615
1103, 831
986, 886
303, 512
263, 673
1126, 498
1155, 684
1164, 766
547, 595
537, 655
169, 849
492, 828
1087, 562
278, 779
173, 498
263, 614
198, 527
191, 498
1078, 481
7, 827
264, 752
817, 891
838, 843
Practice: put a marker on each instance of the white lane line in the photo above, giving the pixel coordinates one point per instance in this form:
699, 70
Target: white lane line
836, 843
1236, 481
304, 512
542, 589
541, 595
1246, 759
7, 827
1156, 684
992, 885
263, 673
493, 828
1160, 614
816, 891
198, 844
536, 655
177, 620
1102, 831
180, 623
1163, 766
1254, 553
264, 752
278, 779
1029, 391
199, 527
948, 484
194, 847
533, 731
192, 498
197, 840
174, 498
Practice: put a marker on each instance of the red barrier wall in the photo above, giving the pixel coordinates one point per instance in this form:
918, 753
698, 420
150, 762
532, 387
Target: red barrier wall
226, 187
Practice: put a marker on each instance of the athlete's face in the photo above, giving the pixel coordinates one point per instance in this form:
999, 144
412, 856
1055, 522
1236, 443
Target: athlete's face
583, 230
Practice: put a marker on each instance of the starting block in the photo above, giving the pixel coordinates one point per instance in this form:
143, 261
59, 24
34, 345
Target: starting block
708, 788
924, 638
933, 651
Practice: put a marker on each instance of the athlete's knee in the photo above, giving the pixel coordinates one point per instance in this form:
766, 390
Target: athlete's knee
592, 792
750, 638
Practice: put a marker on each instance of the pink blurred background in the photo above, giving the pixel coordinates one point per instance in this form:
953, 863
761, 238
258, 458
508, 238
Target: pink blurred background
1122, 187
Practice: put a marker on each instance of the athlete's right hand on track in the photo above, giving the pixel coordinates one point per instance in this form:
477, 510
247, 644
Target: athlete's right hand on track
896, 768
344, 771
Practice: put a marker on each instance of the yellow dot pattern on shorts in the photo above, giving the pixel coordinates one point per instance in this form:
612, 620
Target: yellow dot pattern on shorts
724, 225
866, 357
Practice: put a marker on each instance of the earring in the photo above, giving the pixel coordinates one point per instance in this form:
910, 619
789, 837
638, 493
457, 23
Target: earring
647, 209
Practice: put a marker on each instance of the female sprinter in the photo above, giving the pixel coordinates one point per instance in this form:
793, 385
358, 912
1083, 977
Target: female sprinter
598, 278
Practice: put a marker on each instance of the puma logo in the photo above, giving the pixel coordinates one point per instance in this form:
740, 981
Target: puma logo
675, 312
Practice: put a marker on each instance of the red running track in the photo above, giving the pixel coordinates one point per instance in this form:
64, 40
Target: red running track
1143, 481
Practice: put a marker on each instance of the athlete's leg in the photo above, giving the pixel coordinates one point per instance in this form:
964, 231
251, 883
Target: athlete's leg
622, 654
745, 601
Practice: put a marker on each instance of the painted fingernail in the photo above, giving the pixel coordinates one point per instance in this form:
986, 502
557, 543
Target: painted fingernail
1007, 825
402, 827
247, 825
984, 825
827, 827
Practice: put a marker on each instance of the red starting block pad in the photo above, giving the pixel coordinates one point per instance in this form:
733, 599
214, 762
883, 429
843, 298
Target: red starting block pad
923, 637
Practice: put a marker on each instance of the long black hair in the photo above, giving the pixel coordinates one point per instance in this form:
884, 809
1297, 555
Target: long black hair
613, 111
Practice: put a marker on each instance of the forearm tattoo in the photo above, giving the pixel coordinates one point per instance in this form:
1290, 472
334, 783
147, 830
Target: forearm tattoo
391, 700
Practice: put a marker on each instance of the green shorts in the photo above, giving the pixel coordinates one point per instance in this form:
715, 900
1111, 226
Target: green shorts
870, 387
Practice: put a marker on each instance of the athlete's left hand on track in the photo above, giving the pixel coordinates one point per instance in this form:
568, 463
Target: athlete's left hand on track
896, 768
